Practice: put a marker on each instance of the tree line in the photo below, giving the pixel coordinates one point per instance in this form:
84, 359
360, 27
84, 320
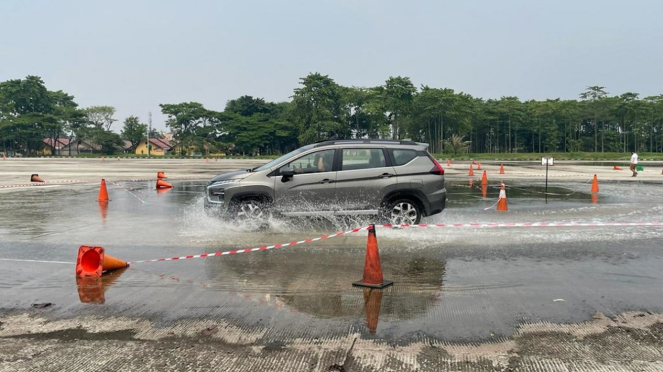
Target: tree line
320, 109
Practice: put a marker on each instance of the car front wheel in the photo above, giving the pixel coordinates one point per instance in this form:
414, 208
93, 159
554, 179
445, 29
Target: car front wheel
403, 211
250, 210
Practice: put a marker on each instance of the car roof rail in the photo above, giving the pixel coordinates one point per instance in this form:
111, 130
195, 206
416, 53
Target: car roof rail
367, 141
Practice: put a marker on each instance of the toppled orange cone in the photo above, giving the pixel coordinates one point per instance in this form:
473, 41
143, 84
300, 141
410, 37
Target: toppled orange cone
616, 168
372, 268
484, 179
103, 192
501, 168
161, 175
35, 178
92, 262
595, 184
501, 202
471, 171
161, 184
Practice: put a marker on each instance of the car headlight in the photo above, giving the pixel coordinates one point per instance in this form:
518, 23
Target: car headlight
223, 182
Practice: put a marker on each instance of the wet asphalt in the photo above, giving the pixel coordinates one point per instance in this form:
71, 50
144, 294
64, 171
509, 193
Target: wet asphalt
451, 285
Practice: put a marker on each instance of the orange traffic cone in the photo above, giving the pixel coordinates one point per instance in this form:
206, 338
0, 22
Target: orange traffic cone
479, 166
595, 184
448, 163
91, 290
501, 168
4, 157
471, 171
103, 158
35, 178
93, 262
161, 184
484, 179
372, 305
372, 268
103, 192
501, 202
484, 190
161, 175
206, 160
616, 168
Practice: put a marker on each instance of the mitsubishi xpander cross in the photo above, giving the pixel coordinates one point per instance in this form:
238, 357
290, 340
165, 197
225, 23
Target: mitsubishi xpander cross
399, 181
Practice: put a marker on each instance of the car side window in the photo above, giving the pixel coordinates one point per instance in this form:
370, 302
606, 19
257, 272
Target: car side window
354, 159
317, 162
402, 157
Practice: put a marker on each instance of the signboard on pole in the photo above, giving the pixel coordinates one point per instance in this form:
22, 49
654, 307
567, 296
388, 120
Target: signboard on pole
547, 161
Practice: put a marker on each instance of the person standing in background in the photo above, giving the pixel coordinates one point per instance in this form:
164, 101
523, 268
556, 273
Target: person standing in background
634, 163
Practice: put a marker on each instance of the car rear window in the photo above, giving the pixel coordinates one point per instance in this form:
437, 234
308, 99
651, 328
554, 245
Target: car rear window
402, 157
354, 159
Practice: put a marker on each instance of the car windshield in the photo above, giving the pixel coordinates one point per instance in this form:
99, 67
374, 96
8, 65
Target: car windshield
282, 158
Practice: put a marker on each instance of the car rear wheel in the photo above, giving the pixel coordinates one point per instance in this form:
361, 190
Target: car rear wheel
403, 211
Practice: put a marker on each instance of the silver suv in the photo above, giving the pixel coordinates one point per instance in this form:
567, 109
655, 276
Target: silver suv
399, 181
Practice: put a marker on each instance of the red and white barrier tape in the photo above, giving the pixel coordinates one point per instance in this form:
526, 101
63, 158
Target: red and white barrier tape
524, 224
263, 248
21, 185
440, 225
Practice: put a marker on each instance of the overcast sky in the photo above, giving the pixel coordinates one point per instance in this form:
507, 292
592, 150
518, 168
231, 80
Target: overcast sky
136, 54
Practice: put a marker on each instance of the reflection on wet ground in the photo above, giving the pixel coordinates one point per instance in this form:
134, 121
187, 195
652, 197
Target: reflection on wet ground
451, 284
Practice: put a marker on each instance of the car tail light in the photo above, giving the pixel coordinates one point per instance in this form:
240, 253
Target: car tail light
438, 168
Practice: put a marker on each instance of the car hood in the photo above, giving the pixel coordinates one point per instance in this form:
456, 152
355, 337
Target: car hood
231, 175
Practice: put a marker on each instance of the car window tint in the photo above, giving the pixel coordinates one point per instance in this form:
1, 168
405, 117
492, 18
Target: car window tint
402, 157
316, 162
363, 159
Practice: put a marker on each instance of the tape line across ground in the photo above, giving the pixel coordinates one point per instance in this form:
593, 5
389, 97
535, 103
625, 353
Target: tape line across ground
403, 226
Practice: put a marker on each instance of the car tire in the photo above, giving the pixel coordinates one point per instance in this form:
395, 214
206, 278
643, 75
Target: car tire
250, 209
402, 211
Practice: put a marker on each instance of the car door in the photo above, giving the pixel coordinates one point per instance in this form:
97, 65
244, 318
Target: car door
364, 178
311, 190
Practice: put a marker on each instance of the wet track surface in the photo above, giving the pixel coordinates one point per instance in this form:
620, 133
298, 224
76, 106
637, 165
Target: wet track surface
452, 284
465, 286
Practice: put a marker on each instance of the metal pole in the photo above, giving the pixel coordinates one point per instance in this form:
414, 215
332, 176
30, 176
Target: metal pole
547, 162
149, 129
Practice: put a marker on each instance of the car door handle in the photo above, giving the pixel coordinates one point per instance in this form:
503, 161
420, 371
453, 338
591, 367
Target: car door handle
385, 175
327, 180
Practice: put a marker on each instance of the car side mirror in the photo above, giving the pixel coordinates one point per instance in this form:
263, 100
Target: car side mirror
287, 174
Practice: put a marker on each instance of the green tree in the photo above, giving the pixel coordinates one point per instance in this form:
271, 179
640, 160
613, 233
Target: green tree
100, 116
593, 97
319, 109
397, 96
192, 125
133, 131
